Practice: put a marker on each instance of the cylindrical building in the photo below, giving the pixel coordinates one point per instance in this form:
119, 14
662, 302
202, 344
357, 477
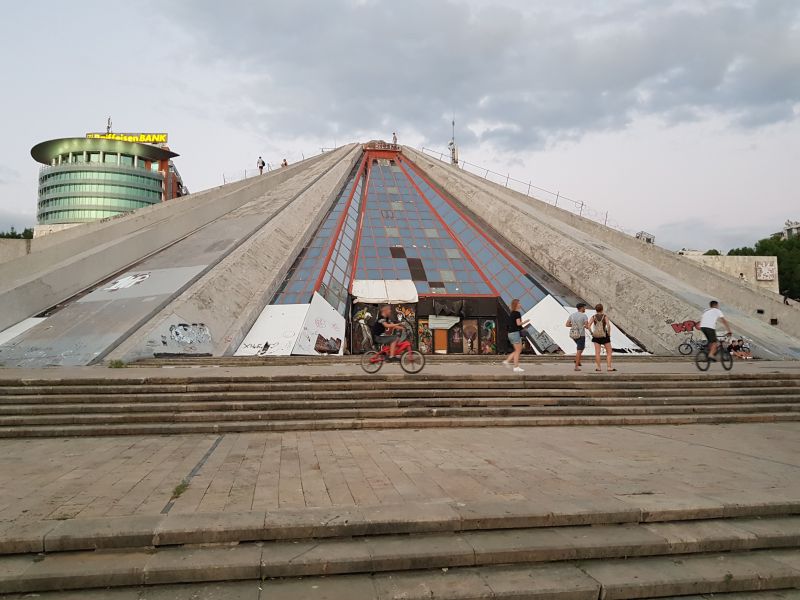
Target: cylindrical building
86, 179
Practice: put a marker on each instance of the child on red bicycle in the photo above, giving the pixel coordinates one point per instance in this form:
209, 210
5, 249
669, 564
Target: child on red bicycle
384, 328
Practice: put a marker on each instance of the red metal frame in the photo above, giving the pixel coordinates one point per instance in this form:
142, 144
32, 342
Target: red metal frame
474, 225
449, 231
339, 225
361, 213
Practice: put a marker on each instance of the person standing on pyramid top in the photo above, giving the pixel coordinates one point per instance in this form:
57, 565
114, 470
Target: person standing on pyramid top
260, 164
394, 138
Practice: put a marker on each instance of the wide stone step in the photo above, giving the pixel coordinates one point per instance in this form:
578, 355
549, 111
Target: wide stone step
23, 431
356, 382
80, 404
382, 413
145, 395
676, 558
463, 584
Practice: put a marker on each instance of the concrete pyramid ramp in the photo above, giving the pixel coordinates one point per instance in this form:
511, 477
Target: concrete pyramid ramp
168, 247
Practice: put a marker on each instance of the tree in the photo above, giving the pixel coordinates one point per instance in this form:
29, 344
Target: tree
788, 253
712, 252
13, 234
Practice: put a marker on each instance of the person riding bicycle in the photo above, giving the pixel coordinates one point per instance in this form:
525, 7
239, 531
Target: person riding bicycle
708, 325
383, 330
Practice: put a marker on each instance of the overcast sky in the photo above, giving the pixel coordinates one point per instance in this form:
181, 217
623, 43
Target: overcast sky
678, 118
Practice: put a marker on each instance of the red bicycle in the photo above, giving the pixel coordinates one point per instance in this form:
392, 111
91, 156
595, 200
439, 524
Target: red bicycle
411, 361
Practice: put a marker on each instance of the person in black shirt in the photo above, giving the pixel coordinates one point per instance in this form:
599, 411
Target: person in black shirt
515, 326
384, 328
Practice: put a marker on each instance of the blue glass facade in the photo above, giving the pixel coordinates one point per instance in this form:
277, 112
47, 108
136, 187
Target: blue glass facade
509, 280
403, 238
389, 223
301, 280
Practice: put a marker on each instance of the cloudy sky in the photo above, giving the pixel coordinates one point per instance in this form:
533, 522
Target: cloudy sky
679, 118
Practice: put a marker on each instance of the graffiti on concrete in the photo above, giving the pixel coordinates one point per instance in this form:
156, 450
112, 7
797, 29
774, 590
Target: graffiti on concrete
766, 271
127, 281
187, 334
685, 326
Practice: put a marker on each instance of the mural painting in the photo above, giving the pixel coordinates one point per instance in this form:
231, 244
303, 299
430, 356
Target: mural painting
364, 316
488, 336
425, 337
469, 329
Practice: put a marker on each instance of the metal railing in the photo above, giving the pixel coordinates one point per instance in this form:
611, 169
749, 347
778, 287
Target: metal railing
556, 198
233, 176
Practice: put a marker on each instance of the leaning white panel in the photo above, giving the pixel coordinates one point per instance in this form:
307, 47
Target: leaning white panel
550, 316
323, 330
275, 332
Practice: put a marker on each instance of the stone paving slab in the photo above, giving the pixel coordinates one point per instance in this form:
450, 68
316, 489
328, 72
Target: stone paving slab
713, 470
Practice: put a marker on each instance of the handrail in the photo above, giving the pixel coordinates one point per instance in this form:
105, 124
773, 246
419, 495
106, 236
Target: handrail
525, 187
245, 173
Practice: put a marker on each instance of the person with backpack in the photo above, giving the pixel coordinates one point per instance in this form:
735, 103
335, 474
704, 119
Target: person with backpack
600, 328
261, 164
578, 324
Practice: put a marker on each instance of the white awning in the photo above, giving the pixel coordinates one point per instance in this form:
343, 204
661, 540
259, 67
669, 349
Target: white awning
385, 291
435, 322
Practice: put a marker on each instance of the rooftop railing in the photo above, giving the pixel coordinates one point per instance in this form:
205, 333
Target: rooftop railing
556, 198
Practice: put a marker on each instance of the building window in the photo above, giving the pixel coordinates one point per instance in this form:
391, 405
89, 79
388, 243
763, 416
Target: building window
125, 160
110, 158
94, 157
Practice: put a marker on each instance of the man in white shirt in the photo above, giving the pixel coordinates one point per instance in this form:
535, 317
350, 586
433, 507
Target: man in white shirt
708, 325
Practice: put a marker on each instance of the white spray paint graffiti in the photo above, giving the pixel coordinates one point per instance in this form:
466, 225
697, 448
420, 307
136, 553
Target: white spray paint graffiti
186, 334
127, 281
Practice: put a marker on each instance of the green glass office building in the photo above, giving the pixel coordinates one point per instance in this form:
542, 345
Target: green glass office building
86, 179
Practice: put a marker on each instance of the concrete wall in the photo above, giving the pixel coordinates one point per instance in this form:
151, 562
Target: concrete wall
734, 266
43, 230
229, 298
645, 291
70, 261
11, 249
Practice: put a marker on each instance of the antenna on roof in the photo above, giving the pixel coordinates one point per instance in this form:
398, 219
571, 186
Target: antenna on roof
452, 145
108, 125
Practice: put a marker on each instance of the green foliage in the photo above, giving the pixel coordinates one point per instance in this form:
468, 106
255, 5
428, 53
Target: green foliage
712, 252
788, 253
13, 234
116, 364
179, 489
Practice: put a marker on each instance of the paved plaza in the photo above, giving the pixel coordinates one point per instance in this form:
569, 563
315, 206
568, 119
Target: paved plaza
135, 475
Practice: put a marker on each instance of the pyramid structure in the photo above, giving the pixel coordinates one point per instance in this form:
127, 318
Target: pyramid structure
296, 262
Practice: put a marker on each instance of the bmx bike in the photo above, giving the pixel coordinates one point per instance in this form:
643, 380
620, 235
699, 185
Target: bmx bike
691, 344
411, 361
724, 357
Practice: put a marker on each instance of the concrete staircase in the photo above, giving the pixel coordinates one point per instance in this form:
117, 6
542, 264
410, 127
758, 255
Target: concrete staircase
578, 550
165, 405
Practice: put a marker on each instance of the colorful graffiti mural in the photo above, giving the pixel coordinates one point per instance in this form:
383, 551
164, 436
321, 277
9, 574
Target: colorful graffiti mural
488, 336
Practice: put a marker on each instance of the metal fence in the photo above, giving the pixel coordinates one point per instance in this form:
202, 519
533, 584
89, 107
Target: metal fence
529, 189
232, 176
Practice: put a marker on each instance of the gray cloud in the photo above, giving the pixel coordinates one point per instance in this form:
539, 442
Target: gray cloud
528, 74
704, 234
8, 175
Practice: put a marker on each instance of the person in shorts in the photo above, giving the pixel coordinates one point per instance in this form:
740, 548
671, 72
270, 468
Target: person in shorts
600, 328
514, 327
708, 325
578, 323
384, 330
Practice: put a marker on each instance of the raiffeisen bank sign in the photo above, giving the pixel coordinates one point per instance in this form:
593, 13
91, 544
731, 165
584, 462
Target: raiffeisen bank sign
141, 138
